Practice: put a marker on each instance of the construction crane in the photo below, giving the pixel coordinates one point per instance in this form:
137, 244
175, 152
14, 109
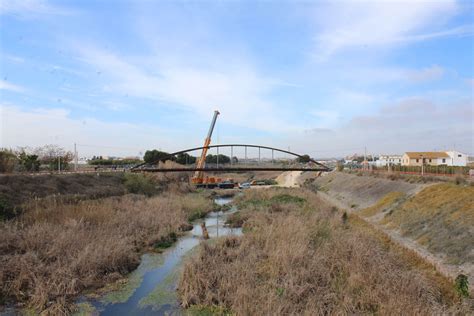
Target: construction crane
198, 177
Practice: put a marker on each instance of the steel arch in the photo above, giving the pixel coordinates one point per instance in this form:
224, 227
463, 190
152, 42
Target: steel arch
231, 145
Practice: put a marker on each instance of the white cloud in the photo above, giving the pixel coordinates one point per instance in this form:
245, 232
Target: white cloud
10, 86
349, 24
409, 124
238, 90
41, 126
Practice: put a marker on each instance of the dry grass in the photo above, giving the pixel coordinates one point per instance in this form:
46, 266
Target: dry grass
440, 217
303, 260
55, 250
383, 204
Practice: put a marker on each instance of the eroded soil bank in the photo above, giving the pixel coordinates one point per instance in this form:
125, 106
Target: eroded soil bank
435, 219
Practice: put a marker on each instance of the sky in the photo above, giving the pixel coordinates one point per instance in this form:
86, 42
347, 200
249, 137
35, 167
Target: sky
322, 78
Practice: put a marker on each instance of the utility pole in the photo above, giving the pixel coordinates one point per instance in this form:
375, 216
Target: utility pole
75, 157
422, 165
365, 158
59, 164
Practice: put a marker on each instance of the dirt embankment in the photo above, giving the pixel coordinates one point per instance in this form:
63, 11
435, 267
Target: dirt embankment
436, 220
17, 189
289, 179
359, 192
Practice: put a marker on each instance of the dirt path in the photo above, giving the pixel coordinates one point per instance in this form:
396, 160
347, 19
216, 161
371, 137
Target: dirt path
448, 270
289, 179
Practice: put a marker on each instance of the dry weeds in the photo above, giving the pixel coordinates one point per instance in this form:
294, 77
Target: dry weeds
303, 260
54, 250
440, 217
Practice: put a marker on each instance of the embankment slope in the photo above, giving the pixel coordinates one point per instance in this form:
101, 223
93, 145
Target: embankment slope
436, 220
360, 192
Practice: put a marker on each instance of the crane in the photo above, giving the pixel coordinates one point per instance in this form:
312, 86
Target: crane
198, 177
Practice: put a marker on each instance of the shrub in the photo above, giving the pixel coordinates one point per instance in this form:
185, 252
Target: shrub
8, 160
7, 210
139, 184
166, 241
236, 220
461, 285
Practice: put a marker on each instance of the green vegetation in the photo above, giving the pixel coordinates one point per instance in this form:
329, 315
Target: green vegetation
215, 158
7, 210
205, 310
48, 157
461, 284
29, 162
139, 184
8, 160
99, 161
166, 241
304, 159
155, 155
185, 159
236, 219
279, 199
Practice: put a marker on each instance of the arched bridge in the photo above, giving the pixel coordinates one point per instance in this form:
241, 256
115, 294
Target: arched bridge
247, 164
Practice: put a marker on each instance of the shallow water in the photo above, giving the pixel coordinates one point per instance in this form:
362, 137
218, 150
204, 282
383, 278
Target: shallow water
151, 288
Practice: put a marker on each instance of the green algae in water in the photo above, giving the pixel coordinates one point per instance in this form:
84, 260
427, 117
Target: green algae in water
134, 279
85, 309
164, 293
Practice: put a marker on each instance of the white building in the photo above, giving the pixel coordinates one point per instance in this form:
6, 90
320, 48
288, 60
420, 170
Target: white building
457, 159
388, 160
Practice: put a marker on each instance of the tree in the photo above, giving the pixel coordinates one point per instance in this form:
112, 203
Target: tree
52, 155
8, 160
304, 159
185, 159
29, 161
155, 155
213, 158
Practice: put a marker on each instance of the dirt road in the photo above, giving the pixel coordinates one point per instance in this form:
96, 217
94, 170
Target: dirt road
289, 179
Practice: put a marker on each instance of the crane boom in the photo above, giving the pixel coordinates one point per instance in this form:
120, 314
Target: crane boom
198, 175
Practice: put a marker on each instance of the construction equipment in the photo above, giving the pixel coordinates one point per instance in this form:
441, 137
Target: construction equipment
198, 178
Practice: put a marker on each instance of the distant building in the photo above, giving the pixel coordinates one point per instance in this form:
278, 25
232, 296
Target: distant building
431, 158
388, 160
457, 159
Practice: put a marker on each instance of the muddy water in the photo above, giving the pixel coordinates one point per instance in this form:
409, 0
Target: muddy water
151, 288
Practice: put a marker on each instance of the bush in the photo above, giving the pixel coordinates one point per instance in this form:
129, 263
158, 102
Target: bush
8, 160
236, 220
7, 210
166, 241
461, 285
139, 184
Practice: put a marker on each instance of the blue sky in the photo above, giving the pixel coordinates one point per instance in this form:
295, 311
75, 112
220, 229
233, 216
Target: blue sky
325, 78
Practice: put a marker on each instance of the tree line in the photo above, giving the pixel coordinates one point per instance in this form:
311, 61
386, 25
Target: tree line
152, 156
49, 157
